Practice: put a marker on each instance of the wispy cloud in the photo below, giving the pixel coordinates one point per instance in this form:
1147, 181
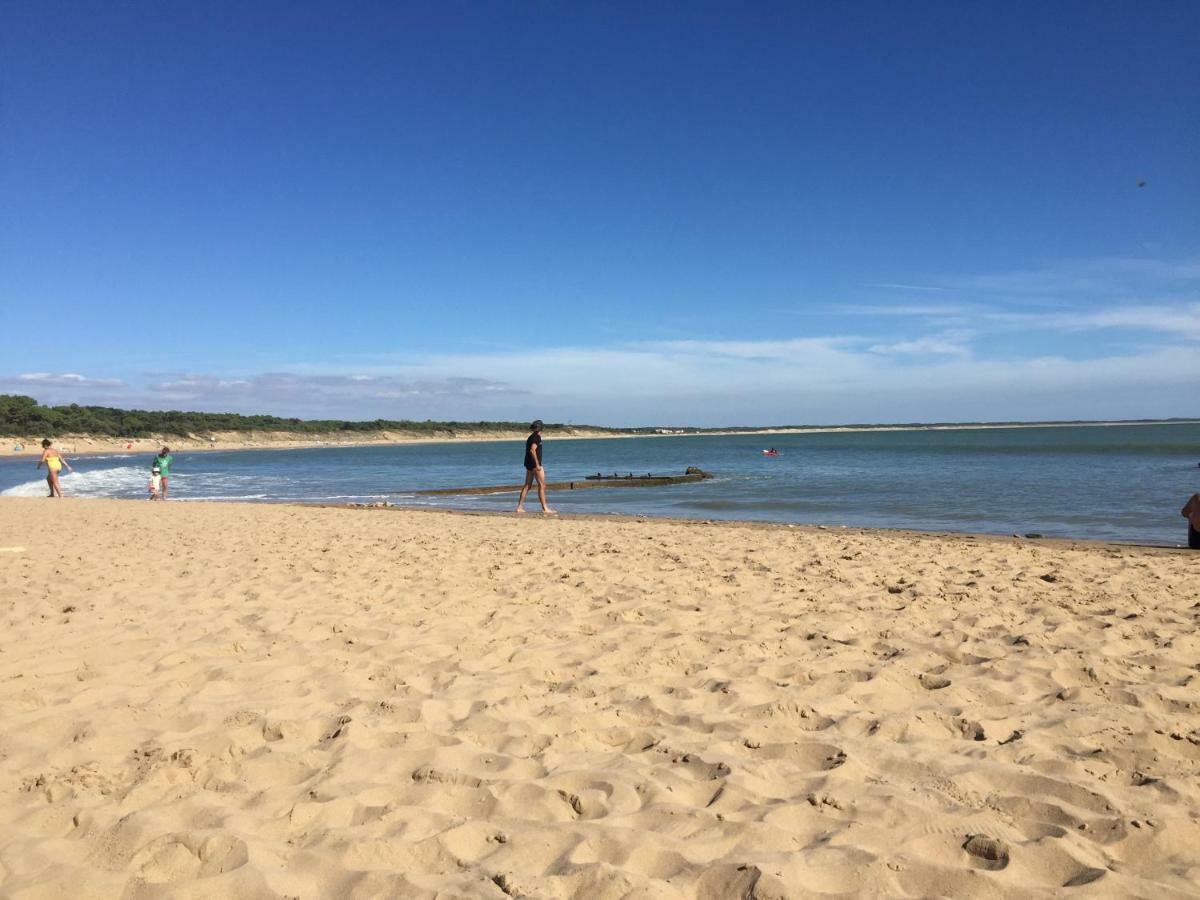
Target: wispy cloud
953, 344
751, 351
889, 286
838, 379
323, 391
1181, 321
1043, 350
1136, 296
64, 379
910, 310
1100, 278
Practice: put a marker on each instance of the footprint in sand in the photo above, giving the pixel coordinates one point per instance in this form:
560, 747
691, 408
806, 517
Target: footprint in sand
729, 881
969, 729
1084, 876
430, 775
988, 852
180, 857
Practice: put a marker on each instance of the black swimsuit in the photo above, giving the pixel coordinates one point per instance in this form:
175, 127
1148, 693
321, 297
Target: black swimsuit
533, 458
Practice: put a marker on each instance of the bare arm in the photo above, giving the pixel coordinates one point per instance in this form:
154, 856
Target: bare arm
41, 460
1191, 506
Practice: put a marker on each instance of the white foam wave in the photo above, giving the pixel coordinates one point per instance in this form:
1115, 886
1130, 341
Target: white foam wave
123, 481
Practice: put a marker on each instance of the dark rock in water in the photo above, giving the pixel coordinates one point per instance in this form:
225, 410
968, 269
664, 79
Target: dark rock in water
1033, 535
990, 853
598, 480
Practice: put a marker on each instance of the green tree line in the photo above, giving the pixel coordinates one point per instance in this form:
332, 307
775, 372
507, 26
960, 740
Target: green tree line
24, 416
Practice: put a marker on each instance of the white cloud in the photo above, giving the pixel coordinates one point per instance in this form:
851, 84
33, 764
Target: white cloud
317, 391
839, 380
803, 380
904, 287
1102, 277
948, 344
65, 379
1139, 296
1182, 320
930, 362
923, 310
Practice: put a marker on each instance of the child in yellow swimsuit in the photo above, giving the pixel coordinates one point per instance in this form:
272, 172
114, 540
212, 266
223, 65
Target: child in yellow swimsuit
54, 462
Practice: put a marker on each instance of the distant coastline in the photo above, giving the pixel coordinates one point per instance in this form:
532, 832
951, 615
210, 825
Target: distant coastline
93, 444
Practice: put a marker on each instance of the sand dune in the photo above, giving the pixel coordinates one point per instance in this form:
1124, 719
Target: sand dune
268, 701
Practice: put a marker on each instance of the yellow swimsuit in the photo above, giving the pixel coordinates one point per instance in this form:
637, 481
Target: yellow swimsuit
54, 463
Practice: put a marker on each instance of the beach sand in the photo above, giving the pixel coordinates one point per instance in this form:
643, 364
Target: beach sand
205, 700
90, 445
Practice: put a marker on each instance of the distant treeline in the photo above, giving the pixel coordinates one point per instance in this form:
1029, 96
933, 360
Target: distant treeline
24, 416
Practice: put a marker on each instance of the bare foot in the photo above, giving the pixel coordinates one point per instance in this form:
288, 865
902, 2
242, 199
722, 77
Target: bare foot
520, 510
549, 512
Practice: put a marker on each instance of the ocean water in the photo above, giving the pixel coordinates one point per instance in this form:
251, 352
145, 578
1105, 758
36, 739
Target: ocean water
1123, 482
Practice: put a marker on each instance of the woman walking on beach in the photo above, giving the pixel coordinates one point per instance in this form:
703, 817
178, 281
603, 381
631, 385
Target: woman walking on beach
533, 469
54, 462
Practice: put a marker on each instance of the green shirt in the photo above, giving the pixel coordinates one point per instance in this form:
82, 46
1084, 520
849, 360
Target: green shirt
163, 463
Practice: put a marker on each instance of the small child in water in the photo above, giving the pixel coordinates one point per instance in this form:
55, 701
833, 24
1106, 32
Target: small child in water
155, 482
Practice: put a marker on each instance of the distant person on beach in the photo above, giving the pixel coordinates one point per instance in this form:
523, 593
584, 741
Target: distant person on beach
1191, 511
54, 462
162, 462
533, 469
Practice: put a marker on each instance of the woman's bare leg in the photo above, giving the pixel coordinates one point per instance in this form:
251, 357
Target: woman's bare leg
541, 480
525, 490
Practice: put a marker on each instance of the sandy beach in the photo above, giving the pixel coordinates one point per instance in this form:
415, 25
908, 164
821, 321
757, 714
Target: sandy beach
229, 700
91, 445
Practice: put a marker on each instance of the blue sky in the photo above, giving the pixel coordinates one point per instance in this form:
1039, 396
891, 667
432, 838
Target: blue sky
691, 213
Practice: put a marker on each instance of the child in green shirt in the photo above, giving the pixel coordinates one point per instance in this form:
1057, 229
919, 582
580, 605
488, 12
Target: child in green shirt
162, 462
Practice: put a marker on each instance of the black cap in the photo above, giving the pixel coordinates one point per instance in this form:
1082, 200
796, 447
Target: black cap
537, 424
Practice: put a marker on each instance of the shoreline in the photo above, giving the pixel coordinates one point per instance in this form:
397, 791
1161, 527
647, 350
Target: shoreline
860, 531
1067, 543
280, 441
